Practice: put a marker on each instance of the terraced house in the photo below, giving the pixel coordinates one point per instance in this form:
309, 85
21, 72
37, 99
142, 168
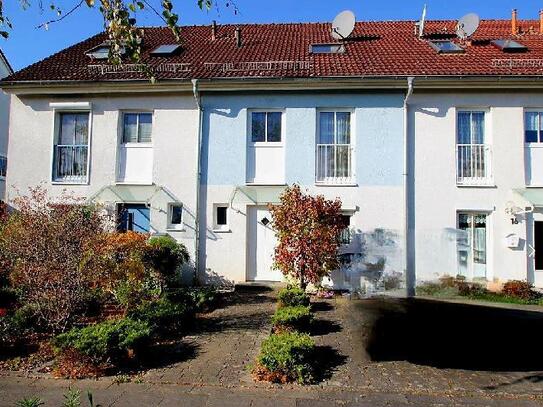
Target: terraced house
431, 141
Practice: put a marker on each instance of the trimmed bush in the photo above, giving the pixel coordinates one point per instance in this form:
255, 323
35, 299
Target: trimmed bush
292, 318
201, 299
108, 340
293, 296
163, 315
166, 255
286, 357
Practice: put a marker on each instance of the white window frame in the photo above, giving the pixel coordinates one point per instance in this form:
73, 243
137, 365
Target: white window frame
488, 212
141, 144
487, 181
70, 108
335, 181
221, 228
5, 159
171, 226
539, 143
265, 143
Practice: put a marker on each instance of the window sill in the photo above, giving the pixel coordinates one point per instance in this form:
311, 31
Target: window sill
265, 184
175, 230
486, 185
134, 183
221, 231
69, 182
346, 184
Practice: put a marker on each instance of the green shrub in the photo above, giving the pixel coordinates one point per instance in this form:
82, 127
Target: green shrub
163, 315
201, 298
293, 296
297, 318
106, 340
166, 255
286, 357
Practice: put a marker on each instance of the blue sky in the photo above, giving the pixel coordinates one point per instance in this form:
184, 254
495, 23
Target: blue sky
28, 44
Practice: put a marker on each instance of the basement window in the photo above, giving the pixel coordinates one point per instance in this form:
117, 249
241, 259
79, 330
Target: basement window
446, 47
509, 46
166, 50
327, 48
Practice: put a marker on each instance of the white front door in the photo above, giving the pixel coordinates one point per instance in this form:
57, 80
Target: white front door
261, 241
472, 245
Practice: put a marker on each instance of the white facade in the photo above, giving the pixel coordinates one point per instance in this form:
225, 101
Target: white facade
163, 172
448, 194
5, 70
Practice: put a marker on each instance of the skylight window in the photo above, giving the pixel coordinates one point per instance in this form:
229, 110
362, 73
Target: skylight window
327, 48
166, 49
446, 47
509, 46
101, 51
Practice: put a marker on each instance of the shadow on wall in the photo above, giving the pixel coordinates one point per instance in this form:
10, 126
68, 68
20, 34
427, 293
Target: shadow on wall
446, 335
371, 262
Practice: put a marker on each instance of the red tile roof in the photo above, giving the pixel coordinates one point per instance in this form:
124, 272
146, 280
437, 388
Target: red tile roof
375, 49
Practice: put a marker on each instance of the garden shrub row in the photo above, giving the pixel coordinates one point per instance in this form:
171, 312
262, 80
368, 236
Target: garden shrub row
515, 291
288, 354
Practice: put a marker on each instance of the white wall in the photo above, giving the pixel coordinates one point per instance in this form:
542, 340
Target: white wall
4, 122
437, 198
175, 132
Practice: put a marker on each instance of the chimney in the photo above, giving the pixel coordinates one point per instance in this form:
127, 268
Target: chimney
514, 22
214, 30
238, 37
540, 21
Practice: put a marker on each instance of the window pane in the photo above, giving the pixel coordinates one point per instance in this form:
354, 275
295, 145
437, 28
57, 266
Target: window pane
326, 128
343, 161
343, 127
540, 126
321, 160
464, 128
221, 215
67, 129
81, 135
177, 212
130, 132
3, 166
274, 127
531, 127
478, 127
146, 120
258, 127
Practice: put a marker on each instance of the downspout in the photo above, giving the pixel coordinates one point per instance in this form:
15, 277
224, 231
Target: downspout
409, 266
198, 99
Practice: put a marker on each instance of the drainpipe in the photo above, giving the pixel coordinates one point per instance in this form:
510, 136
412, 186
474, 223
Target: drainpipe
198, 99
409, 266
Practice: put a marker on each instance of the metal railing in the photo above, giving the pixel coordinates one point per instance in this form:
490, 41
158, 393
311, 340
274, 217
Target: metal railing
70, 163
334, 163
473, 164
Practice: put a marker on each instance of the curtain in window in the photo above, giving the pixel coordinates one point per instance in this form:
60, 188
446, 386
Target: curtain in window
333, 146
531, 127
144, 128
464, 128
479, 239
71, 150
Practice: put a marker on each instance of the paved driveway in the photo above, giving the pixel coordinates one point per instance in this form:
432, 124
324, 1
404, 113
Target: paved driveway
379, 352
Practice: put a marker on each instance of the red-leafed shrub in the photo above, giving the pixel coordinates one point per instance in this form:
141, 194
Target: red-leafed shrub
42, 244
520, 289
308, 234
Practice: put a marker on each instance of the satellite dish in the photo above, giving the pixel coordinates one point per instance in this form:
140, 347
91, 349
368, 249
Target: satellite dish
467, 25
343, 25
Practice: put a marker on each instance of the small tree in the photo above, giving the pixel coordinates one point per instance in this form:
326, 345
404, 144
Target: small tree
308, 231
42, 244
